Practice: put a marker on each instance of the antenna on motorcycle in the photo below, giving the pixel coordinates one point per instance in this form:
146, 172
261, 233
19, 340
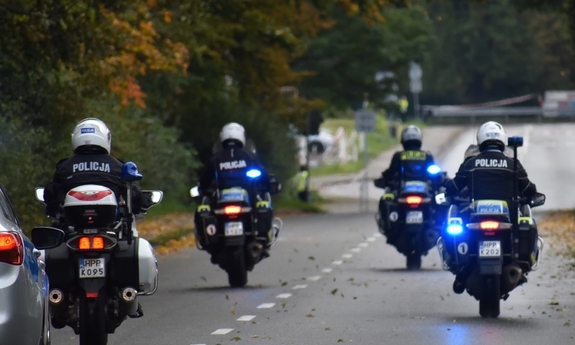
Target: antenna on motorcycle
130, 174
515, 142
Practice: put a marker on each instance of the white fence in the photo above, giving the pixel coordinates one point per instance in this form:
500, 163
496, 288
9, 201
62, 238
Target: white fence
328, 148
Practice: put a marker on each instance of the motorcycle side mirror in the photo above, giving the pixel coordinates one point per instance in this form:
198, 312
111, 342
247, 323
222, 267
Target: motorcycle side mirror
275, 187
45, 237
538, 200
40, 193
195, 192
440, 199
379, 182
151, 198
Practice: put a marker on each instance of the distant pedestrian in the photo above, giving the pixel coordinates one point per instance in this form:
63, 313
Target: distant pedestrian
403, 106
302, 180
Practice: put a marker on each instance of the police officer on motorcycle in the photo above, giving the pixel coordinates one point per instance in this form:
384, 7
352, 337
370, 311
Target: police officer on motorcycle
492, 169
228, 168
90, 164
489, 176
409, 164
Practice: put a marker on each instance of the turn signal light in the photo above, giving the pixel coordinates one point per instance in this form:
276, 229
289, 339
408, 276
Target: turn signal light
232, 209
413, 200
84, 243
489, 225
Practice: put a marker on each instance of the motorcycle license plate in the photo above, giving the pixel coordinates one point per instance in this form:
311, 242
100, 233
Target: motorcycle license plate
92, 268
414, 217
234, 229
490, 249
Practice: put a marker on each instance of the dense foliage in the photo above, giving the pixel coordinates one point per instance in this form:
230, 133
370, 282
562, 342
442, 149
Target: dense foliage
166, 75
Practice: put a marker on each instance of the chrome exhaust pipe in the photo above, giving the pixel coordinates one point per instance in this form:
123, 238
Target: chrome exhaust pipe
129, 301
540, 246
56, 296
440, 247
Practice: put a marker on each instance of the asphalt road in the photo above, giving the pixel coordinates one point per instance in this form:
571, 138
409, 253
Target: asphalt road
332, 279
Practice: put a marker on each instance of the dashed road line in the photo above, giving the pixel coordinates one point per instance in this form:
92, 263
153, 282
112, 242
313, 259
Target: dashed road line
337, 262
347, 256
284, 295
355, 250
363, 245
299, 287
326, 270
313, 278
222, 331
246, 318
266, 305
371, 239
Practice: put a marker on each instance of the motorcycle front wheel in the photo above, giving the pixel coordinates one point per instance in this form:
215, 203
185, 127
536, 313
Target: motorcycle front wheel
236, 267
93, 320
490, 296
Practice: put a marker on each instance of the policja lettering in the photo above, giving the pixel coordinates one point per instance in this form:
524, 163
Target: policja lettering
91, 166
233, 165
491, 163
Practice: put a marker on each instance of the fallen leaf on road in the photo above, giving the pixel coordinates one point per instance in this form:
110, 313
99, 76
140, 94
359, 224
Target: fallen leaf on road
310, 315
333, 291
311, 257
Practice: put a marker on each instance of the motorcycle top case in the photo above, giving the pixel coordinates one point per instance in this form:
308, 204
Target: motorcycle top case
90, 206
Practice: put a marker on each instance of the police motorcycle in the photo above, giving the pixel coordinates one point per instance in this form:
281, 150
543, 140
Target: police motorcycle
489, 245
99, 266
230, 230
410, 218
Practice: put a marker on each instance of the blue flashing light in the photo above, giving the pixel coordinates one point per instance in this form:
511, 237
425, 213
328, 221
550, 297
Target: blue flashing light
253, 173
433, 169
454, 229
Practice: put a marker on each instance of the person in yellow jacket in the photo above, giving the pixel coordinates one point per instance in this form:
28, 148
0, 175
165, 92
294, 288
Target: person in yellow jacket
302, 180
403, 105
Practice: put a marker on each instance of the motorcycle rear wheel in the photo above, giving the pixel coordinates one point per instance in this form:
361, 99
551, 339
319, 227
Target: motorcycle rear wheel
93, 320
490, 296
236, 267
413, 261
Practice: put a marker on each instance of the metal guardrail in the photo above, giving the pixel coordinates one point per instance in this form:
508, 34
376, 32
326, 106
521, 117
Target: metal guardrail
447, 111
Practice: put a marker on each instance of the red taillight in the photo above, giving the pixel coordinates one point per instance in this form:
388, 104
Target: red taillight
91, 243
413, 200
232, 209
11, 250
489, 225
90, 196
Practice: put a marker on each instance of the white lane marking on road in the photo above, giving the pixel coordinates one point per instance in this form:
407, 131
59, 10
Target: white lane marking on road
246, 318
326, 270
377, 234
347, 256
284, 295
371, 239
222, 331
299, 287
266, 305
364, 245
313, 278
337, 262
355, 250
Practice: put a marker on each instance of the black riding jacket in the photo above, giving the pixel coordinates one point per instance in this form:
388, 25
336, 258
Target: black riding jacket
408, 165
228, 168
93, 168
489, 175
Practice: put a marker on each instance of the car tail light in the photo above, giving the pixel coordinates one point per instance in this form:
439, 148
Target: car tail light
232, 210
89, 196
413, 200
489, 225
11, 248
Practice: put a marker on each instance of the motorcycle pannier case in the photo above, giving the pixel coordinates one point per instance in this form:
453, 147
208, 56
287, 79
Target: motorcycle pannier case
90, 206
135, 266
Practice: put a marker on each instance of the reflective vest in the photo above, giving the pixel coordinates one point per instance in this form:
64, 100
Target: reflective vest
302, 181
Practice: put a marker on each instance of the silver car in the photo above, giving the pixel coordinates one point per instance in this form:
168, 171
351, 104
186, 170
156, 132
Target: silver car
23, 284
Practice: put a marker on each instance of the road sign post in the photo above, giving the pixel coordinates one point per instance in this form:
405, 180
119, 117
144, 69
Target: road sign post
365, 121
415, 85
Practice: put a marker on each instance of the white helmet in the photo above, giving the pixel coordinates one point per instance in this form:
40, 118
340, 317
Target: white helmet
92, 132
233, 131
491, 132
411, 133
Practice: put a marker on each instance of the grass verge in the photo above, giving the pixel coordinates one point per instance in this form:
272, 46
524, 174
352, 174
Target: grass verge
377, 142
